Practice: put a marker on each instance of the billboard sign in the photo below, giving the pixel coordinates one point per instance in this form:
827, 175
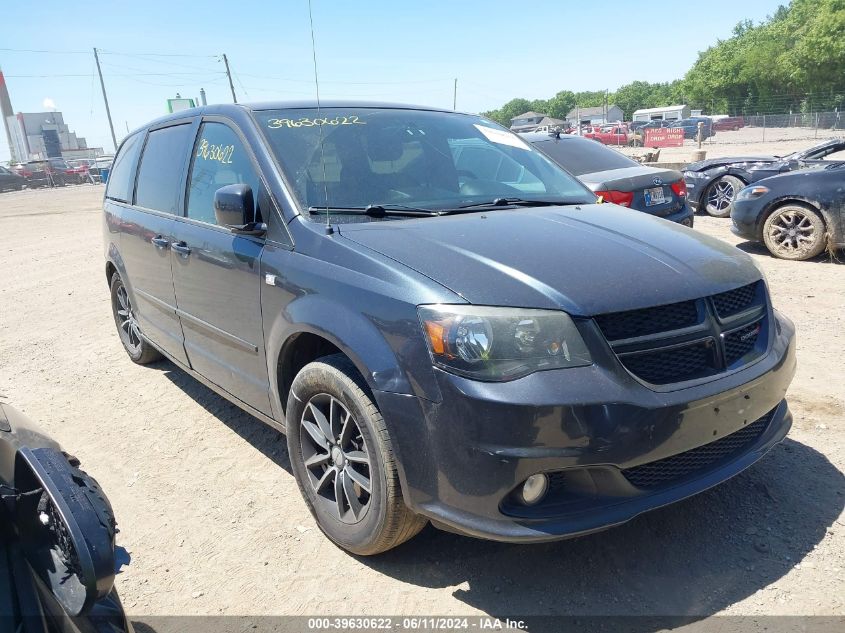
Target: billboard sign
175, 105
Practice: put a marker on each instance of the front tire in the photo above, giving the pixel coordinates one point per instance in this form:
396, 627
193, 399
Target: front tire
138, 349
721, 195
794, 232
343, 461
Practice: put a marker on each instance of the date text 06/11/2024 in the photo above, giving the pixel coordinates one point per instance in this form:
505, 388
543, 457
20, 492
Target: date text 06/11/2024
482, 623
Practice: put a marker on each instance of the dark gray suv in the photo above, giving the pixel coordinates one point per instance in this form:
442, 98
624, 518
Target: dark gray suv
442, 321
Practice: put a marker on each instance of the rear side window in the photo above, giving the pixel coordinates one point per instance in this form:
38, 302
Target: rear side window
122, 176
579, 156
160, 175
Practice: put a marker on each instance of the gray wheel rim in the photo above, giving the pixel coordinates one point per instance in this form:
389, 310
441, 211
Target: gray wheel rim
792, 231
721, 195
336, 458
127, 325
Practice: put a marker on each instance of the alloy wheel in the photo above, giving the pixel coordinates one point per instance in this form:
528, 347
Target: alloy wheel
721, 195
792, 231
336, 458
130, 333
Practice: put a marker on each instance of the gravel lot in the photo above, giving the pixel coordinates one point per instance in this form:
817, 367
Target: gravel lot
747, 141
214, 524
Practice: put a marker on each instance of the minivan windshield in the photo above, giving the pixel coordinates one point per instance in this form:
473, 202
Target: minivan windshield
390, 158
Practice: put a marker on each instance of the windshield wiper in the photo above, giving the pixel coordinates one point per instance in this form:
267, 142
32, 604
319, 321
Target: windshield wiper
377, 210
515, 202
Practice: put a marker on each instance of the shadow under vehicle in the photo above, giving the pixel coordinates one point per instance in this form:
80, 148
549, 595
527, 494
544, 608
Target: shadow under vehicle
57, 531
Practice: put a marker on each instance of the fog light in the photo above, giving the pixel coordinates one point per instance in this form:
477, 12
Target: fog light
534, 489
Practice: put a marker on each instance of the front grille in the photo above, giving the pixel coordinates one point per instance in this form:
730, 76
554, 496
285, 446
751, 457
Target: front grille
672, 365
733, 301
622, 325
690, 340
678, 467
740, 342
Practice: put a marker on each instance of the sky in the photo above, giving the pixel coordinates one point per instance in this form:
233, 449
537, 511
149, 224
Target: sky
409, 52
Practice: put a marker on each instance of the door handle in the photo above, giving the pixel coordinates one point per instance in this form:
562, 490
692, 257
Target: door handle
159, 242
182, 248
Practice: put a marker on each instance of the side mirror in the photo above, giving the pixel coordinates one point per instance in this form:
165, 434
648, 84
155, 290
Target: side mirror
66, 528
234, 208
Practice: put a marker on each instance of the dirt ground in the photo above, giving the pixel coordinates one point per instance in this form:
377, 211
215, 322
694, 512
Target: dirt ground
212, 520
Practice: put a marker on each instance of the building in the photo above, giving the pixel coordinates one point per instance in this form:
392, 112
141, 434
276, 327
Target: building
596, 115
40, 135
526, 121
666, 113
5, 112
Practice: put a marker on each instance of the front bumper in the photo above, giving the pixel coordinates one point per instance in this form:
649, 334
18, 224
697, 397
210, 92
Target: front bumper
745, 219
462, 458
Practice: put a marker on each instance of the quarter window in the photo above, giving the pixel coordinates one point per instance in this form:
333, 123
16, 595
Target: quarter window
220, 159
122, 176
160, 176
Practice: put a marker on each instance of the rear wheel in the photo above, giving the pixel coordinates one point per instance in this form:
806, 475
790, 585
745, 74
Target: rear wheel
342, 457
139, 350
795, 232
721, 194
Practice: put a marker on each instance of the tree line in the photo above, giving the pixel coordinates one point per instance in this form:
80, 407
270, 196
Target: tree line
793, 61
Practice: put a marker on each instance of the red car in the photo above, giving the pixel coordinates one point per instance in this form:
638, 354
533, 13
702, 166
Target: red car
732, 123
53, 172
611, 135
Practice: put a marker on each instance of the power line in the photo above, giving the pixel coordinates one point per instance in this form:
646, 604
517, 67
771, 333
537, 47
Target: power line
159, 54
32, 50
208, 72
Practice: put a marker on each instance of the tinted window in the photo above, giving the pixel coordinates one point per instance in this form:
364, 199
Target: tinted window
160, 175
583, 156
220, 159
122, 176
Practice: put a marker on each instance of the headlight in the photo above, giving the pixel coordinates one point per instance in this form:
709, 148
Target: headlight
498, 344
751, 193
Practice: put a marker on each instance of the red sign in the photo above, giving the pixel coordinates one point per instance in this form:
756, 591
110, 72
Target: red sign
664, 137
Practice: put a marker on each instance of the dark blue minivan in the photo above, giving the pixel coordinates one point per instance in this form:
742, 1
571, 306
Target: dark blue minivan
442, 321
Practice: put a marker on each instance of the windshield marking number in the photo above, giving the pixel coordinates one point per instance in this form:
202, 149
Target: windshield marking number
275, 124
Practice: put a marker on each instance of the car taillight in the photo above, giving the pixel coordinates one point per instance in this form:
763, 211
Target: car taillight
622, 198
680, 188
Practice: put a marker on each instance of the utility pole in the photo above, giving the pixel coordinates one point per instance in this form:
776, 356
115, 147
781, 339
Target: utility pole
105, 99
229, 74
455, 95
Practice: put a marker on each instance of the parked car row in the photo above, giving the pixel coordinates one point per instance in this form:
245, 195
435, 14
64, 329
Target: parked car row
53, 172
793, 203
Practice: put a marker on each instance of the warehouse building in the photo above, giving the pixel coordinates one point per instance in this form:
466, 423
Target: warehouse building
666, 113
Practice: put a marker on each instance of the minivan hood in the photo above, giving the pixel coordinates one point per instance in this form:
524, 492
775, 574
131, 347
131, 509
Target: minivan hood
587, 259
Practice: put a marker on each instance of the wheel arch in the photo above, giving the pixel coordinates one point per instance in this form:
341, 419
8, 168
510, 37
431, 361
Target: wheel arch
114, 264
315, 326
